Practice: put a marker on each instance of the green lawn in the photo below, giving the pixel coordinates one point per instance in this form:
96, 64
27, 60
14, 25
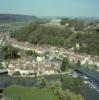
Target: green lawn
27, 93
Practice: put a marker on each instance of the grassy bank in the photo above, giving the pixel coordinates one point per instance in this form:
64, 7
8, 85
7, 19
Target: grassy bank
28, 93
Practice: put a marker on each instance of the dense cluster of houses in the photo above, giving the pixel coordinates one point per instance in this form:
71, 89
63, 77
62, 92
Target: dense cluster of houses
48, 61
28, 66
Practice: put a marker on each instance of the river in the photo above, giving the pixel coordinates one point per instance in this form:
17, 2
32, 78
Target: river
6, 80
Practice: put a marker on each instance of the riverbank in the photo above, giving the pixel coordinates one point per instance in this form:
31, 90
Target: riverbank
6, 81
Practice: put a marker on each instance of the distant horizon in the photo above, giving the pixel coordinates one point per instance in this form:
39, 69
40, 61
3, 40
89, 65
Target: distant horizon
49, 16
50, 8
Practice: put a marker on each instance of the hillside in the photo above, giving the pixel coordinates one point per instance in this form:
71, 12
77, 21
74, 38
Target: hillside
6, 18
71, 33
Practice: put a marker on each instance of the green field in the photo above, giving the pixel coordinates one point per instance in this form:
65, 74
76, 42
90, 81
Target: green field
28, 93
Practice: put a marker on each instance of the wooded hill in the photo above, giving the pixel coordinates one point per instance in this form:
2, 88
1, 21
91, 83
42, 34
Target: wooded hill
6, 18
68, 34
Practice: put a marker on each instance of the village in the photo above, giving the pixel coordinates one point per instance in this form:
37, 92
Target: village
47, 61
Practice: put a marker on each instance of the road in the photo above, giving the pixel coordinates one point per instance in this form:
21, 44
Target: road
90, 87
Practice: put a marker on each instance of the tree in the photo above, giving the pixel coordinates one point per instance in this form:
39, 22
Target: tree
64, 94
72, 96
71, 83
31, 53
19, 98
9, 52
17, 73
78, 63
42, 82
64, 64
64, 21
